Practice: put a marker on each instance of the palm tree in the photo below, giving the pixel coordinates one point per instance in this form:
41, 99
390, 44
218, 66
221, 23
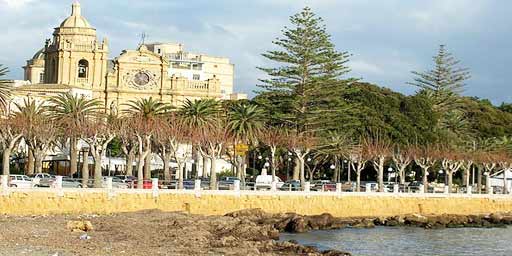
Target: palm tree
198, 116
71, 111
145, 114
146, 108
38, 129
246, 123
4, 89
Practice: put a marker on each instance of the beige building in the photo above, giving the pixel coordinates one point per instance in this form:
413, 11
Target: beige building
76, 61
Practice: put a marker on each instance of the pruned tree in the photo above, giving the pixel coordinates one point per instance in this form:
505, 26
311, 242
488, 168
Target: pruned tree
451, 161
129, 142
301, 144
212, 144
10, 135
358, 156
273, 137
98, 133
379, 149
425, 157
402, 157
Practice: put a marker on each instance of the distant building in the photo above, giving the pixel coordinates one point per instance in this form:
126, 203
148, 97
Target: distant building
75, 61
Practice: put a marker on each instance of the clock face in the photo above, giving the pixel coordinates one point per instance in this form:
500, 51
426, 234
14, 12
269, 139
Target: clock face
141, 79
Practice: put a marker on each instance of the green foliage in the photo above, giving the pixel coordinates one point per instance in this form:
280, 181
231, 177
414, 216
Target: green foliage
5, 89
305, 91
485, 120
400, 118
147, 108
444, 83
114, 147
245, 121
71, 111
199, 113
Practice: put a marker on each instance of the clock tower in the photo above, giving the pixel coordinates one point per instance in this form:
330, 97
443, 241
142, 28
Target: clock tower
74, 56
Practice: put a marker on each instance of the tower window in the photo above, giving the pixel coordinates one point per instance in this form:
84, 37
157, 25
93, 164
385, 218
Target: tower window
41, 77
83, 68
196, 77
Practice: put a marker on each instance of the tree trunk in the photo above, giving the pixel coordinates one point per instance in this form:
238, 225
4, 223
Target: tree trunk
140, 171
402, 175
167, 169
467, 176
479, 180
129, 162
180, 174
296, 169
273, 163
336, 174
358, 180
147, 167
85, 170
425, 180
213, 174
98, 182
73, 156
450, 181
30, 162
38, 163
301, 169
505, 182
381, 174
205, 166
5, 161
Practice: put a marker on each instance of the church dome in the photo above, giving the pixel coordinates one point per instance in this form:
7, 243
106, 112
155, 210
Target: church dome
39, 55
75, 20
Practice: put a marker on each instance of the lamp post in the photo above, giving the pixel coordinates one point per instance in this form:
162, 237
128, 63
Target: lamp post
390, 170
333, 167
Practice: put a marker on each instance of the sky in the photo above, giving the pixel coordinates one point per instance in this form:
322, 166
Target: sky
387, 38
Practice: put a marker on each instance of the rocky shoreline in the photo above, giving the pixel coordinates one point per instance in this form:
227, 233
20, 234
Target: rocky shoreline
295, 223
246, 232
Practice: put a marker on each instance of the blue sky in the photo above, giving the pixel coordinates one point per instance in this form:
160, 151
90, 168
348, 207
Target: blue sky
388, 38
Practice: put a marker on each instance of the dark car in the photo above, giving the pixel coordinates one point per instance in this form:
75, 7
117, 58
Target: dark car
291, 185
227, 183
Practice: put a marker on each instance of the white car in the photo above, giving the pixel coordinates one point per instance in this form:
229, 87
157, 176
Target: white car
264, 182
43, 179
20, 181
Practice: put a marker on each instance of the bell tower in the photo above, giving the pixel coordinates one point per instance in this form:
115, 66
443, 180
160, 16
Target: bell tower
74, 56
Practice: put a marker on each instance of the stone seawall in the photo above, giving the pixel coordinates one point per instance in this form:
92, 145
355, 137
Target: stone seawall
41, 202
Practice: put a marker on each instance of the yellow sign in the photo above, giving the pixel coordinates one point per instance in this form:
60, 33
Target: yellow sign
241, 149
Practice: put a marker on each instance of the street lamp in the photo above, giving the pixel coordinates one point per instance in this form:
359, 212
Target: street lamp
288, 167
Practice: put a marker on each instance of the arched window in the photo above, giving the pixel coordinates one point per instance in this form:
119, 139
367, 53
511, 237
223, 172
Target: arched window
83, 68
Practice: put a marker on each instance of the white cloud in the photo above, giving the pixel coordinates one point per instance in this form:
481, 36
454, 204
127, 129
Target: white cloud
16, 3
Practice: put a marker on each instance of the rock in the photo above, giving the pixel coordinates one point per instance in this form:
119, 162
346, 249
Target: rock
79, 225
255, 213
323, 221
495, 218
297, 225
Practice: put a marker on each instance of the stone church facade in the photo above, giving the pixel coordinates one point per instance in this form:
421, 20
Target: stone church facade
75, 61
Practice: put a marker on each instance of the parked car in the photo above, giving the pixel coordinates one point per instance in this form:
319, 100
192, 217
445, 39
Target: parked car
264, 182
116, 183
67, 182
291, 185
20, 181
323, 185
227, 183
374, 186
43, 179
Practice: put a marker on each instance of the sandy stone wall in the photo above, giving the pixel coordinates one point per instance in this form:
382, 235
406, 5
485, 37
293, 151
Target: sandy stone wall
346, 205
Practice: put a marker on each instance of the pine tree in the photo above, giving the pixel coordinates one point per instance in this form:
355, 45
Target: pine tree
305, 91
442, 86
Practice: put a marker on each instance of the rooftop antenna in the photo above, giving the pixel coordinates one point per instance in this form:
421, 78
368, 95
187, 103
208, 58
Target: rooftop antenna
143, 38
